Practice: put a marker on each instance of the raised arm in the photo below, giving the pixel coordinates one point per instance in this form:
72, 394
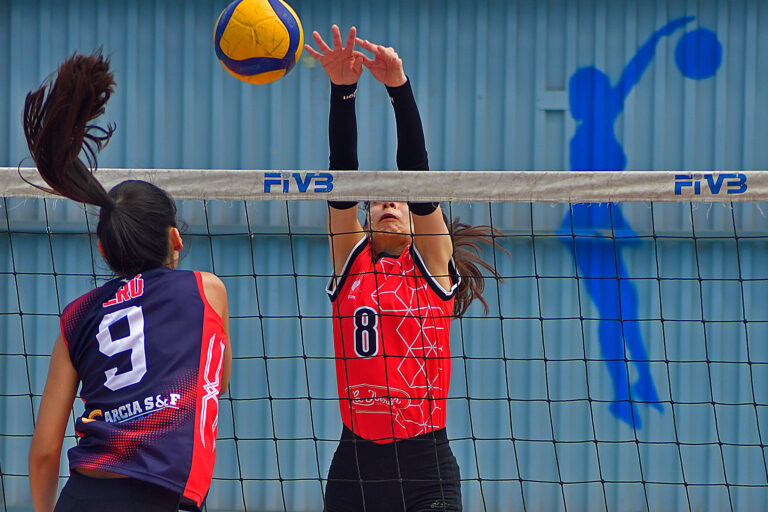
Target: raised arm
343, 66
640, 62
344, 229
431, 236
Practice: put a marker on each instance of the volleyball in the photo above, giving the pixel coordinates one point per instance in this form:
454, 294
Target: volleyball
258, 41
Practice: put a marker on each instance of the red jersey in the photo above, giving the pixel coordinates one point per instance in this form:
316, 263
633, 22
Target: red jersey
391, 328
149, 352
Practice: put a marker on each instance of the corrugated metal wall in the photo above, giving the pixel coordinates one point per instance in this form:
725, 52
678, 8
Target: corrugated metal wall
491, 79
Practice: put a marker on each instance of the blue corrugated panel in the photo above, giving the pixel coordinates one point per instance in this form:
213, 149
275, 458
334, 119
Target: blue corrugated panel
492, 80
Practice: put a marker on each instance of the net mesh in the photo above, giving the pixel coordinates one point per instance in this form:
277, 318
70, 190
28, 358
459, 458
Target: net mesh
622, 365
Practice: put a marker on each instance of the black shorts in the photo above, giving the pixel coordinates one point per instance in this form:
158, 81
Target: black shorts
412, 475
84, 493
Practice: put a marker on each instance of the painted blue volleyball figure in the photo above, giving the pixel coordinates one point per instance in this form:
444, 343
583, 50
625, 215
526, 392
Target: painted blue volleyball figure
258, 41
595, 233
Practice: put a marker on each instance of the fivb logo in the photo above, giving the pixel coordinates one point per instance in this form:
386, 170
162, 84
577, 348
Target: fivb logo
323, 182
730, 183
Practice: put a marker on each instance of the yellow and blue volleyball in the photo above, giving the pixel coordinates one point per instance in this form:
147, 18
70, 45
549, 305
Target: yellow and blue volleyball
258, 41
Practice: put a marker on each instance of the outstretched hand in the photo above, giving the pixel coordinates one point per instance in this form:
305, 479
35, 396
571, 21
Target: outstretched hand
342, 64
386, 65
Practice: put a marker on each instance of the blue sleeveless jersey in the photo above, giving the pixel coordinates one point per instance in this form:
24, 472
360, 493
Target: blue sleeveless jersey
149, 352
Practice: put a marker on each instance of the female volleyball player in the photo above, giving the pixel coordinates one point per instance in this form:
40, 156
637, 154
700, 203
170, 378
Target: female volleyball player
394, 292
150, 348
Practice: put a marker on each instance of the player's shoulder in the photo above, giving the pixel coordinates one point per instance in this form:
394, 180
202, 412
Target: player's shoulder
361, 254
212, 281
214, 289
90, 296
82, 307
360, 259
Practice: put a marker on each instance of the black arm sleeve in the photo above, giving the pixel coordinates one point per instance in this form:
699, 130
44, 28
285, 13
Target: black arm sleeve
411, 148
342, 128
342, 134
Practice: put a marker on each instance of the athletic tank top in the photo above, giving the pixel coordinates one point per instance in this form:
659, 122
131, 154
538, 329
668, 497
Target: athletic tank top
149, 352
391, 326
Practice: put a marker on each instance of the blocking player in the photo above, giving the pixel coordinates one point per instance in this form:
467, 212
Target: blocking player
150, 348
395, 289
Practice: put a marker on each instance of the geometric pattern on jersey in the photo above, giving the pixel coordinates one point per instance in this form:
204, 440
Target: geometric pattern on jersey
392, 341
149, 352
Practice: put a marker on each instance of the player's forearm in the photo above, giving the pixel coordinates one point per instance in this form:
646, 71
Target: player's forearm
44, 480
411, 148
342, 128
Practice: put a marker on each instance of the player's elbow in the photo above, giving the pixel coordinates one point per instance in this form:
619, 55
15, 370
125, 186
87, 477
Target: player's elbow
43, 455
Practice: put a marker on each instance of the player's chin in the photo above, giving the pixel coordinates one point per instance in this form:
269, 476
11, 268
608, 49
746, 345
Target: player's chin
391, 245
386, 236
391, 229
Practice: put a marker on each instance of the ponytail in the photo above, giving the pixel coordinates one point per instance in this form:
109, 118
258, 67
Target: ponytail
57, 129
135, 215
467, 242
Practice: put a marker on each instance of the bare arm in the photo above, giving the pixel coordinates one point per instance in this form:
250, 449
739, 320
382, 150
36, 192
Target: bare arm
344, 232
216, 294
433, 242
55, 406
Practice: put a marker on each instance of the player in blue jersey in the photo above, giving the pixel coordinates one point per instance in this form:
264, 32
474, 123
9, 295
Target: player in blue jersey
150, 348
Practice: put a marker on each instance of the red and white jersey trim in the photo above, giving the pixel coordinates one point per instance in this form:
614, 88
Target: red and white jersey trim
207, 402
336, 282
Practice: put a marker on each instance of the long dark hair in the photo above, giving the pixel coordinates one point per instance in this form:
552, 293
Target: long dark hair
58, 124
467, 244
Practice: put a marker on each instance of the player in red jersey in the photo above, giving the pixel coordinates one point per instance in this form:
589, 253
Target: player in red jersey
150, 348
396, 286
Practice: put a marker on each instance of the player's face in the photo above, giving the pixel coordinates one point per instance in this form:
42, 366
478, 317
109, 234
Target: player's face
391, 225
391, 217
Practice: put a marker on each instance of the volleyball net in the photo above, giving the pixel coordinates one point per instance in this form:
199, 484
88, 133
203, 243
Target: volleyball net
623, 364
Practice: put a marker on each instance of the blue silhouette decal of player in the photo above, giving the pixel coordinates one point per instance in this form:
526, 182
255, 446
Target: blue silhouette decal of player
595, 232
